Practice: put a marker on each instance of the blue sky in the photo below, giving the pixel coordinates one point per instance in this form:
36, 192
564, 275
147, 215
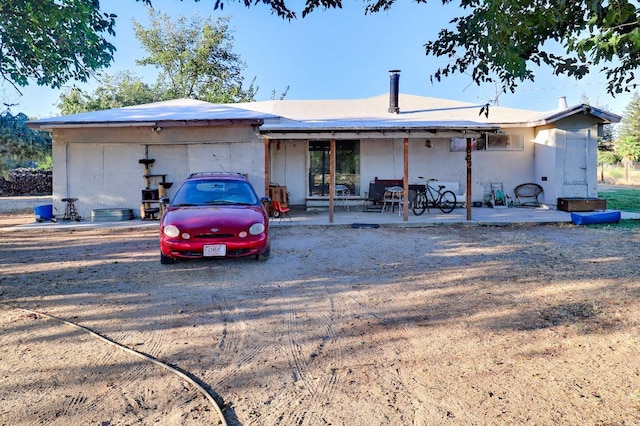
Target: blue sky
333, 54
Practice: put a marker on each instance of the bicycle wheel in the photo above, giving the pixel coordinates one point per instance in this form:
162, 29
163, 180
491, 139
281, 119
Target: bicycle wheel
419, 204
447, 202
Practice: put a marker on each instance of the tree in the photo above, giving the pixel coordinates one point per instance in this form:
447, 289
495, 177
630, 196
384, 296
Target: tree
496, 41
120, 90
53, 41
628, 143
19, 145
195, 58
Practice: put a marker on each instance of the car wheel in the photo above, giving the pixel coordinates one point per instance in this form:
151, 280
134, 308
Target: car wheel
166, 260
265, 255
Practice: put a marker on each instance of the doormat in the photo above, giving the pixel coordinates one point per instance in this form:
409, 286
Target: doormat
365, 225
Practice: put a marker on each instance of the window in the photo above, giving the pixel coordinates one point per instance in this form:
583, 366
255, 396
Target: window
504, 142
347, 166
491, 142
460, 144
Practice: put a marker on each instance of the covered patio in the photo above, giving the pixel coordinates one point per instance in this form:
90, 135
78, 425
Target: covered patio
364, 131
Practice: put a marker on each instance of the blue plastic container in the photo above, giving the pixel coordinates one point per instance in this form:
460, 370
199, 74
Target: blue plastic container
43, 212
594, 218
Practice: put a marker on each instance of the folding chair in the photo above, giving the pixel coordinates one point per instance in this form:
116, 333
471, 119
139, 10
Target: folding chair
342, 193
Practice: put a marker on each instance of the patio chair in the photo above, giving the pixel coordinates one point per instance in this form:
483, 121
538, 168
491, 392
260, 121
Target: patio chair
527, 195
342, 193
374, 199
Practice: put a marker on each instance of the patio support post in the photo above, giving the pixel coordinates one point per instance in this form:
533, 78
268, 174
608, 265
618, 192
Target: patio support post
332, 176
468, 200
267, 168
405, 182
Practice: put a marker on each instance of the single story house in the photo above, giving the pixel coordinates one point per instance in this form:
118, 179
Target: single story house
107, 159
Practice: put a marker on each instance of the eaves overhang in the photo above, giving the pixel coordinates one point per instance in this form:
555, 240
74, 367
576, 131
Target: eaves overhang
51, 125
553, 117
373, 129
175, 113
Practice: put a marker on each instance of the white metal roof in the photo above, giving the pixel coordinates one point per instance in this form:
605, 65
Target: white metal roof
369, 114
178, 110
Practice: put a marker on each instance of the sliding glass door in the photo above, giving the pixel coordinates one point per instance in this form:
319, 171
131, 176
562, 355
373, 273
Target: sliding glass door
347, 166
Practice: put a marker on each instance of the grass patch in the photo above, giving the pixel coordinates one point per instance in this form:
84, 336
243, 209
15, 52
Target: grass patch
626, 200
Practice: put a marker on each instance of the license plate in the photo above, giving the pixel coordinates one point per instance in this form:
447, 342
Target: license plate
211, 250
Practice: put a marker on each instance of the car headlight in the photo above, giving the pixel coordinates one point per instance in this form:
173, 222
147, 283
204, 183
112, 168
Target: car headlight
256, 229
171, 231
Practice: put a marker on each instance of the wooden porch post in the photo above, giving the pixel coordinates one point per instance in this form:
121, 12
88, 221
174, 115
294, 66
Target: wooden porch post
468, 200
405, 182
332, 176
267, 167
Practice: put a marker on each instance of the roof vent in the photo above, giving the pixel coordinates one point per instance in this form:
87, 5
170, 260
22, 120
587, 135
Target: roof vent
393, 91
562, 102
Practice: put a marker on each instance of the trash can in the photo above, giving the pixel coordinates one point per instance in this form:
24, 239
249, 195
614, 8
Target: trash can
43, 213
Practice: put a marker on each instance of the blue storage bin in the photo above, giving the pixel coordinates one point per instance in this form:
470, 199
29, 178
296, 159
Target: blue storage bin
594, 218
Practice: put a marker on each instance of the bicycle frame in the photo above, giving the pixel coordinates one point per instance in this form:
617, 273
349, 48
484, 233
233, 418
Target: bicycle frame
431, 197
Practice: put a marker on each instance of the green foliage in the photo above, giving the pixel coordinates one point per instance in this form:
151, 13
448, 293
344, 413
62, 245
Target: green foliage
629, 147
492, 40
195, 59
606, 141
503, 39
19, 145
608, 157
46, 163
120, 90
52, 42
628, 143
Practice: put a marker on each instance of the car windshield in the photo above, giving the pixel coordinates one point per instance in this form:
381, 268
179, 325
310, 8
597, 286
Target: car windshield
211, 192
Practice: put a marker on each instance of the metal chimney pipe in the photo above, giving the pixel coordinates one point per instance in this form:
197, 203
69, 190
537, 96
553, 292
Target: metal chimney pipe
394, 89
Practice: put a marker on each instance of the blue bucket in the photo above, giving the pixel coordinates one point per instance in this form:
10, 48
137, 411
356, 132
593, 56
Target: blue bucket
43, 212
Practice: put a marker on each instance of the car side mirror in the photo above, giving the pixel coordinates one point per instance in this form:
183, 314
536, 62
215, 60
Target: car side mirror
265, 200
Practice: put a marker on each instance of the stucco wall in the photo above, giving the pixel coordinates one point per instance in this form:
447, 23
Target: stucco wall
289, 167
101, 167
566, 158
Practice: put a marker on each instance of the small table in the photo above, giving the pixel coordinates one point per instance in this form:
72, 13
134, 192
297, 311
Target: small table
393, 196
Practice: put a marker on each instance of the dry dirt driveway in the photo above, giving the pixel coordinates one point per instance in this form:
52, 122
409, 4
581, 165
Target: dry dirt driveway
443, 325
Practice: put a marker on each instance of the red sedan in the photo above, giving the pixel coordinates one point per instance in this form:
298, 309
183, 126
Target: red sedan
214, 215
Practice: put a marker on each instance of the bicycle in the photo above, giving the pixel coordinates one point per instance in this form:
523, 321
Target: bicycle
432, 197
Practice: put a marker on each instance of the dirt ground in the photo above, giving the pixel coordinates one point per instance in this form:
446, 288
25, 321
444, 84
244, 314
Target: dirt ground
441, 325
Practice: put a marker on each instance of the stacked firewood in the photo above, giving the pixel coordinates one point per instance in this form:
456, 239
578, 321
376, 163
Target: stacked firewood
27, 182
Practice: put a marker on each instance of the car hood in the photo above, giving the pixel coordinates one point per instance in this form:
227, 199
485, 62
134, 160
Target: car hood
221, 217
